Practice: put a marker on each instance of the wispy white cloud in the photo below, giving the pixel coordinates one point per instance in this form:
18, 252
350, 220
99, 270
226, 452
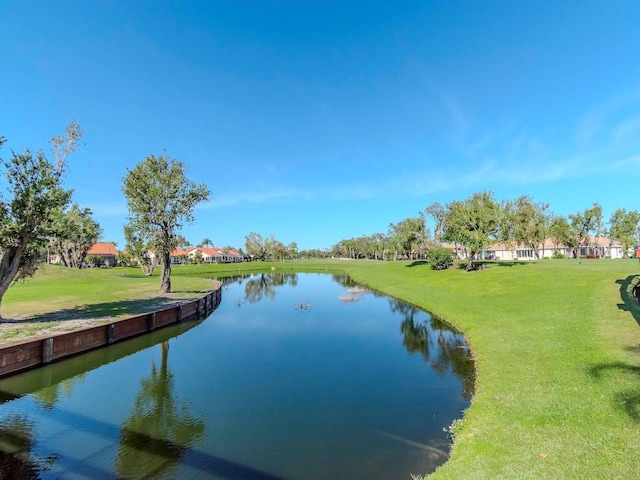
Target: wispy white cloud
615, 115
256, 196
627, 129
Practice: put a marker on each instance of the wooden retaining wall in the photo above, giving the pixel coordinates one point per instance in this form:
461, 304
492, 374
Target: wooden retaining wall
21, 356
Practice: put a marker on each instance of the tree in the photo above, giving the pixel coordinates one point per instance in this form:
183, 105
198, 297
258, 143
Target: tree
408, 236
559, 231
473, 222
161, 199
440, 258
623, 226
36, 193
94, 260
140, 247
76, 232
256, 246
438, 213
207, 242
292, 250
582, 224
527, 223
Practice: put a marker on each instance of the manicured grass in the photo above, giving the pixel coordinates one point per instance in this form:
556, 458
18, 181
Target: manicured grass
557, 346
58, 298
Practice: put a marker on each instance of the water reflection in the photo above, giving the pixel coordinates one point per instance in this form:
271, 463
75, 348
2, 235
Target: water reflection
159, 430
451, 354
263, 285
16, 442
49, 396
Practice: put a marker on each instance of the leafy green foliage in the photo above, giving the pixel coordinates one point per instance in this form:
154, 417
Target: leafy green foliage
161, 199
408, 236
440, 258
140, 248
525, 222
75, 233
94, 260
622, 227
581, 225
473, 222
27, 216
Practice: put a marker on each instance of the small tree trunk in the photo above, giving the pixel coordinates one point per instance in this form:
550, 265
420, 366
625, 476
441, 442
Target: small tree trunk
165, 284
9, 265
470, 264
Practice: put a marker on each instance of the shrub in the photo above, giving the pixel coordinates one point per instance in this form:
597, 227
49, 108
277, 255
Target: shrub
440, 258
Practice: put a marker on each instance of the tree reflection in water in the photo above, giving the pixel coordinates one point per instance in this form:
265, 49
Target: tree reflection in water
49, 396
16, 443
159, 430
451, 353
263, 285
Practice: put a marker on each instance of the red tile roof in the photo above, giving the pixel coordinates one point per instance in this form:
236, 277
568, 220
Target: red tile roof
103, 248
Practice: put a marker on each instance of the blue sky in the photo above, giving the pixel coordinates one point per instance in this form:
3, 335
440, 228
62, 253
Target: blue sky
318, 121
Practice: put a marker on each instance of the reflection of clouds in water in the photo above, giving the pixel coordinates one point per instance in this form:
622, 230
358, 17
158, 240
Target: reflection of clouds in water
353, 294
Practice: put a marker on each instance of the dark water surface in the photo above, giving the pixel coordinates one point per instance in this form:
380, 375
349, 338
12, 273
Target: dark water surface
294, 376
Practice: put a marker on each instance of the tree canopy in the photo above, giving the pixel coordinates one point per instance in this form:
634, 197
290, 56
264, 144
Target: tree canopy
75, 233
35, 195
473, 222
161, 199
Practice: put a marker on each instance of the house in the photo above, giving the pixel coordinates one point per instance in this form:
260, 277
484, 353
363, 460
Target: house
600, 247
208, 255
107, 251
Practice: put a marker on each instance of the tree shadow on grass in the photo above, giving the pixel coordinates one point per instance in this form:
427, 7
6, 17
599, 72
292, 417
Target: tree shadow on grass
121, 308
627, 373
417, 263
628, 400
629, 302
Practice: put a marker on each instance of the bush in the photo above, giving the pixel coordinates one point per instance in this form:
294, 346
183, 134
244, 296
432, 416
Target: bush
440, 258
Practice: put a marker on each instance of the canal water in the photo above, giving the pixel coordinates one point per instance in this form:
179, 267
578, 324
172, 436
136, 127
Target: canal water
294, 376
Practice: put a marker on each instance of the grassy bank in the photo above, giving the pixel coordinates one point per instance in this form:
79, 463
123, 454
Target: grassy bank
59, 299
557, 345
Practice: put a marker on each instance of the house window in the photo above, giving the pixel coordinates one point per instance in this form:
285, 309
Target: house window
524, 253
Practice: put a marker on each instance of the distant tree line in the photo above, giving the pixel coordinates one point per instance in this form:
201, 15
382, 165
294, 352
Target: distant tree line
473, 224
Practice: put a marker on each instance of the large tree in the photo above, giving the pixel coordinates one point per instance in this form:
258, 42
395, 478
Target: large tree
258, 246
582, 225
140, 248
408, 236
473, 222
527, 223
623, 227
161, 199
559, 231
35, 194
75, 233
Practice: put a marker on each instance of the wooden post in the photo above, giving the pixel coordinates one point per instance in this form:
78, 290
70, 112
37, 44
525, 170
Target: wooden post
152, 321
111, 333
47, 350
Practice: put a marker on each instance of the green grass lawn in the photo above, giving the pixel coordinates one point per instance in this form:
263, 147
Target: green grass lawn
557, 346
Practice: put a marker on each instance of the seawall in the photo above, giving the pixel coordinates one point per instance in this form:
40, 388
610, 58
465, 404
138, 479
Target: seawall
44, 350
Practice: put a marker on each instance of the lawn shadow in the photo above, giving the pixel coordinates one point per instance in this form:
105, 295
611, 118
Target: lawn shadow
629, 301
512, 263
417, 263
627, 400
483, 264
121, 308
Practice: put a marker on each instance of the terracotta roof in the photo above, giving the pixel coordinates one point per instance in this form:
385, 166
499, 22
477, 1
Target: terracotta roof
103, 248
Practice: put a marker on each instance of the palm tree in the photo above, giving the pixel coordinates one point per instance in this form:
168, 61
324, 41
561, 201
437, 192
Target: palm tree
207, 242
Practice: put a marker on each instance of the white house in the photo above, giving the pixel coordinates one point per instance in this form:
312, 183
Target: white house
600, 247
